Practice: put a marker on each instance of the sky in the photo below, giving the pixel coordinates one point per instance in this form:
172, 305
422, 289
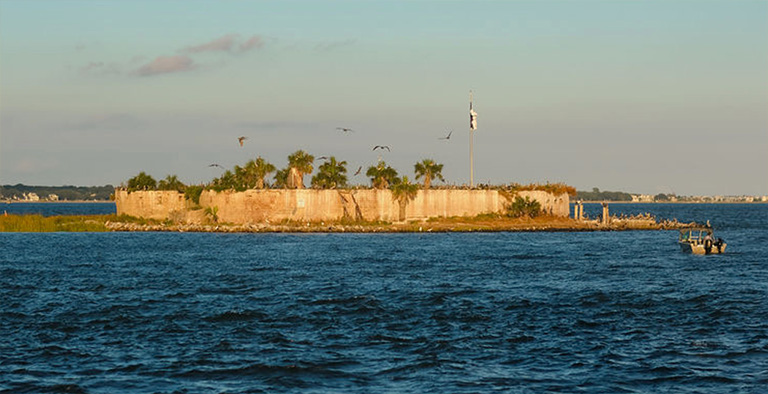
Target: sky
640, 96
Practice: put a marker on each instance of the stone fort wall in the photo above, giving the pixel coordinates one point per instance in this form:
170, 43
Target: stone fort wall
275, 205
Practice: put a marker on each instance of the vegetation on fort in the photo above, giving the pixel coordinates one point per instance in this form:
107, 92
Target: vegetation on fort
554, 188
523, 207
404, 192
382, 176
428, 170
331, 173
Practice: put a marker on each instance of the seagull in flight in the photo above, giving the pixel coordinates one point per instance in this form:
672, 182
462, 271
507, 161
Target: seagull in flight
447, 137
345, 129
241, 140
358, 170
322, 158
215, 165
381, 147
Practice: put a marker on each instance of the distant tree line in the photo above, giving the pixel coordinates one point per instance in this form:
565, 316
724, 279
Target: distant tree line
64, 193
597, 195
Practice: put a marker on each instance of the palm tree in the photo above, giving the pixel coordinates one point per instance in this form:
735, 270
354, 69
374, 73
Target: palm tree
171, 182
403, 192
227, 181
300, 163
240, 179
382, 175
331, 174
257, 170
281, 178
428, 169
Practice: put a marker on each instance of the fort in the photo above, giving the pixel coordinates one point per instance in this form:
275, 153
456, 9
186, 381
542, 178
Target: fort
314, 205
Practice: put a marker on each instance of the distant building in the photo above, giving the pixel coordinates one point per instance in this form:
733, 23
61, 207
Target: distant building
642, 198
53, 197
31, 197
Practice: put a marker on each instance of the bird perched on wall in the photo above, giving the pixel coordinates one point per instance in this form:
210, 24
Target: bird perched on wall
241, 140
345, 129
381, 147
215, 165
447, 137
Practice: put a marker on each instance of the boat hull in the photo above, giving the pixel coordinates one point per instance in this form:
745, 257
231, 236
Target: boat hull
700, 249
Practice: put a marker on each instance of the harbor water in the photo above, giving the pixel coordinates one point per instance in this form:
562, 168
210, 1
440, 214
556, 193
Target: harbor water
594, 312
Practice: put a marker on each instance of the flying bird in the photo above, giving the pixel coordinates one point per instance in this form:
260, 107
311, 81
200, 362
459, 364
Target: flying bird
215, 165
447, 137
381, 147
358, 170
241, 140
345, 129
322, 158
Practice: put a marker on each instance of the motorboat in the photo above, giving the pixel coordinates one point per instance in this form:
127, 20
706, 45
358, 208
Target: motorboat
700, 240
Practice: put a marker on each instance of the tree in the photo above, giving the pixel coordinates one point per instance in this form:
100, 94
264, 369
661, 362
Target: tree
227, 181
240, 181
428, 169
403, 192
193, 192
331, 174
142, 181
257, 170
300, 163
281, 178
171, 182
382, 175
524, 207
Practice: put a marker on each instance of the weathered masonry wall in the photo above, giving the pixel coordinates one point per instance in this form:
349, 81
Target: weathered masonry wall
258, 206
154, 204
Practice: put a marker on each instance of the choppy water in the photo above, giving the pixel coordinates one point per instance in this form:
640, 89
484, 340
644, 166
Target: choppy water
58, 208
605, 312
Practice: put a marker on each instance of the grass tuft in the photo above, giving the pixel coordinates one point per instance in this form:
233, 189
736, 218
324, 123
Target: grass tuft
41, 224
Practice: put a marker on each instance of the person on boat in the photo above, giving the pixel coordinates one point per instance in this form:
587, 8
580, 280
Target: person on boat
708, 242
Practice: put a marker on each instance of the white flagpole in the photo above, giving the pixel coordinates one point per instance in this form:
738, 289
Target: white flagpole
471, 145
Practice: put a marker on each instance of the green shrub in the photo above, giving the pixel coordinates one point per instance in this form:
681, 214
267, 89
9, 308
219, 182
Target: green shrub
524, 207
142, 181
192, 193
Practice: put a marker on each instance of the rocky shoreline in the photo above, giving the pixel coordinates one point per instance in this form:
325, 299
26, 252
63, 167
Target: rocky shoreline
447, 225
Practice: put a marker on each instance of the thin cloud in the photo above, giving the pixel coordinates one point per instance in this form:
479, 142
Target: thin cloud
222, 44
254, 42
330, 46
166, 65
100, 68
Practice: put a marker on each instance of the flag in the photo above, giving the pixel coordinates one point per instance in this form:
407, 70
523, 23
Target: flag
472, 119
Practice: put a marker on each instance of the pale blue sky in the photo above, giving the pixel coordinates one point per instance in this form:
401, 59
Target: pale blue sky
641, 96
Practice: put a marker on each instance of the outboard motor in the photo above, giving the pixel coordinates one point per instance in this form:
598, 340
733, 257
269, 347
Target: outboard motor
719, 245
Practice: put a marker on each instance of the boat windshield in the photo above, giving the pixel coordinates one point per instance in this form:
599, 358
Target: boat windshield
695, 234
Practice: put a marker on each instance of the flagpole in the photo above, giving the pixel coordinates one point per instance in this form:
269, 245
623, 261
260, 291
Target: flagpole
471, 145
